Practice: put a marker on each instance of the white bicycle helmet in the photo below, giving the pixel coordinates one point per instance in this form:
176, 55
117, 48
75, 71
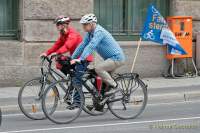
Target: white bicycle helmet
88, 18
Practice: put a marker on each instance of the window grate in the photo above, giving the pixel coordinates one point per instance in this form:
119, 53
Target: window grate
8, 19
125, 18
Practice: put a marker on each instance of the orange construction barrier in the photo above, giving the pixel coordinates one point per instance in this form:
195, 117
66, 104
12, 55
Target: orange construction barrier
181, 26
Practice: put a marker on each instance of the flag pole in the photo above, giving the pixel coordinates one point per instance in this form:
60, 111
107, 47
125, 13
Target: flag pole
136, 54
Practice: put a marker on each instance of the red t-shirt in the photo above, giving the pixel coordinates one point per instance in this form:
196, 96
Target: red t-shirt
67, 43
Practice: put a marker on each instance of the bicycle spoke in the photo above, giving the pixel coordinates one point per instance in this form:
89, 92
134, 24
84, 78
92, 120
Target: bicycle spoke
68, 107
29, 100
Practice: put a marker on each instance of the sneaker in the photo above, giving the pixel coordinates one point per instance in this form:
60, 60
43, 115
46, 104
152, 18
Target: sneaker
71, 107
73, 99
98, 107
74, 105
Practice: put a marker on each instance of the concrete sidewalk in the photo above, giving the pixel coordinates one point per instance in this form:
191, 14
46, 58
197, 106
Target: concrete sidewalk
160, 90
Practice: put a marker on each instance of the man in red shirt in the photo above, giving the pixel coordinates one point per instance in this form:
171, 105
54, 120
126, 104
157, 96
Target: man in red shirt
68, 41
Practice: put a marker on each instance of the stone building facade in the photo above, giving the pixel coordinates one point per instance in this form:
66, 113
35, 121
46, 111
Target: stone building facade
19, 59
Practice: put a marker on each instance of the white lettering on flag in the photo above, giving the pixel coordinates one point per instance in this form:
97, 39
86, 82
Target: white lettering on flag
168, 37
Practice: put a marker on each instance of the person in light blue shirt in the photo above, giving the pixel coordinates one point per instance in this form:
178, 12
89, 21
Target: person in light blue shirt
99, 40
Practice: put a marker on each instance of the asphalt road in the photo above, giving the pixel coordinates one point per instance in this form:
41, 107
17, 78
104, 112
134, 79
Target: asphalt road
183, 117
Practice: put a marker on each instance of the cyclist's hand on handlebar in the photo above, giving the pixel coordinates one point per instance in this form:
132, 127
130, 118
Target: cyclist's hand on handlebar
43, 55
75, 61
54, 55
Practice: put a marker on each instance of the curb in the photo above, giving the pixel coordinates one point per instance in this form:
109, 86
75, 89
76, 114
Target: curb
152, 99
174, 97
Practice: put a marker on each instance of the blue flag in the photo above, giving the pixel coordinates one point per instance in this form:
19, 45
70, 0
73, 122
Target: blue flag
156, 29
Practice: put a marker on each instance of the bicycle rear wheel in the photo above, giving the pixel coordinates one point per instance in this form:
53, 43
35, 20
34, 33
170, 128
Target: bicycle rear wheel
30, 96
70, 102
131, 99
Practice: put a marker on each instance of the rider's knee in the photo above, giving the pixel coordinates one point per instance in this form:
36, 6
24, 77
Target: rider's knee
98, 70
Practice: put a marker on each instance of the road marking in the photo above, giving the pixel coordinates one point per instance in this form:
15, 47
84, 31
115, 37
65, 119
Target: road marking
156, 104
102, 125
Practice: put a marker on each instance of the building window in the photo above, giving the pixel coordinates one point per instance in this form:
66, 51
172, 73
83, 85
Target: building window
8, 19
125, 18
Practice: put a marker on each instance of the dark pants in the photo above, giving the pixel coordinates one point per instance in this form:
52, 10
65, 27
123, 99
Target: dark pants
79, 72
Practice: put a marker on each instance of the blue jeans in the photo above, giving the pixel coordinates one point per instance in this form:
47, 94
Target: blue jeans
77, 79
79, 72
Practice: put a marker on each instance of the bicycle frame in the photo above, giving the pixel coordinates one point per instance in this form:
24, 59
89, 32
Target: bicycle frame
92, 75
88, 75
52, 73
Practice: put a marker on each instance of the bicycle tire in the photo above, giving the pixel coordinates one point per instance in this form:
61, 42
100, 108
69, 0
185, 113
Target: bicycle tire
49, 116
20, 102
145, 93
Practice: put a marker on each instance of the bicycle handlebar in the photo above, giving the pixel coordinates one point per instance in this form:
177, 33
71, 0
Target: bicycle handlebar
48, 59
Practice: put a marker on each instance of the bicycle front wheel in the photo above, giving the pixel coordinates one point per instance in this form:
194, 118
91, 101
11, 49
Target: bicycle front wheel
70, 103
131, 99
30, 96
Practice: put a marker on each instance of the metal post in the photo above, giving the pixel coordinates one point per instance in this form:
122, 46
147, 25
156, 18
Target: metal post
195, 67
172, 70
